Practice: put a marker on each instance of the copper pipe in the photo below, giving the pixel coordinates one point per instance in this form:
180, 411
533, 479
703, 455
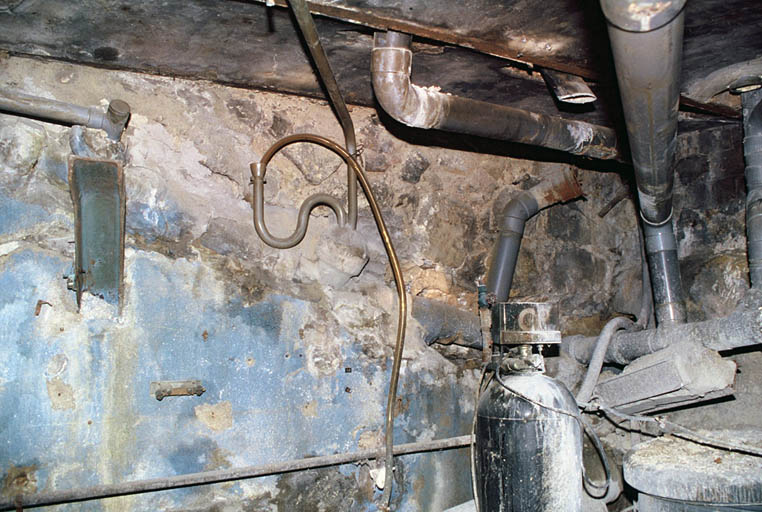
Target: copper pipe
258, 171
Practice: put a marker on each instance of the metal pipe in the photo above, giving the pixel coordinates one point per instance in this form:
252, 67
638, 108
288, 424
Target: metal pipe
221, 475
428, 108
309, 31
742, 328
661, 250
556, 189
596, 360
568, 88
646, 41
303, 219
112, 121
752, 146
446, 324
258, 173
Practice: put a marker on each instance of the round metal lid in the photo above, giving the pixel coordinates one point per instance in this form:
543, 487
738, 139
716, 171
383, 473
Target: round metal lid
673, 468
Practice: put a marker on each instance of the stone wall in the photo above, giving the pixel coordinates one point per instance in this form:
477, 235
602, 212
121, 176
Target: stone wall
293, 346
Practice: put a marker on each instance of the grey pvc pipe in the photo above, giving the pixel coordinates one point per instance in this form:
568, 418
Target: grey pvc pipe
666, 284
112, 121
506, 250
647, 46
752, 146
554, 189
427, 108
742, 328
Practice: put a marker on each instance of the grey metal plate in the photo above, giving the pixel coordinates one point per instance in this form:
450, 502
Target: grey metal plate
97, 190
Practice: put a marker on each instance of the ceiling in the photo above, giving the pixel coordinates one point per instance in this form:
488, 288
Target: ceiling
484, 49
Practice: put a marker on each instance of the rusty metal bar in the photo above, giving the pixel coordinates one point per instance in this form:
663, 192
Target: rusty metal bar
222, 475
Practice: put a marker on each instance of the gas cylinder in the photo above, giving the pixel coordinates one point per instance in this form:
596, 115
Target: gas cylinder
528, 446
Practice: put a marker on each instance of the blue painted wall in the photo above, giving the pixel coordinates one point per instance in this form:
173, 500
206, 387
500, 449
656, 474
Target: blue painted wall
75, 407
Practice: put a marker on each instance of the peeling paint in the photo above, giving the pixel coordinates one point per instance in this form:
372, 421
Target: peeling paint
61, 394
217, 417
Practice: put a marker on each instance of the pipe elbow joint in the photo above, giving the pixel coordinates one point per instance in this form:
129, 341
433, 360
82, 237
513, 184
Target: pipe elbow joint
414, 106
518, 211
113, 121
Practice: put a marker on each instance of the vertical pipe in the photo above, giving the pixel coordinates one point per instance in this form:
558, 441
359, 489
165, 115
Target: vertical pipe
752, 147
661, 250
646, 41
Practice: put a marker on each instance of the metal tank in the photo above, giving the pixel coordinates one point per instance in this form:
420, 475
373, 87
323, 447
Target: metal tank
528, 447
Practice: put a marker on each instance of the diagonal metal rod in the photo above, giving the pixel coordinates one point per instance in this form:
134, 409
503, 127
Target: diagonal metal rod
310, 33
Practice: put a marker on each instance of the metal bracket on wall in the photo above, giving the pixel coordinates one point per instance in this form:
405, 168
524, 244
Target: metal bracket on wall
97, 190
165, 388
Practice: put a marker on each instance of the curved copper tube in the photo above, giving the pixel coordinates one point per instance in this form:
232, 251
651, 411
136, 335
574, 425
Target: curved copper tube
258, 171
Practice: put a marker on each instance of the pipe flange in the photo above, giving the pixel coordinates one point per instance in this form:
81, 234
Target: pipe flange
641, 15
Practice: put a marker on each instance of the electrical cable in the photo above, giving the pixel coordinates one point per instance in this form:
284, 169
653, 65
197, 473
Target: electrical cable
674, 429
482, 386
589, 484
258, 171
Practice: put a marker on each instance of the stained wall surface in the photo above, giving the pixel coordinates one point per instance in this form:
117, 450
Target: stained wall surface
292, 346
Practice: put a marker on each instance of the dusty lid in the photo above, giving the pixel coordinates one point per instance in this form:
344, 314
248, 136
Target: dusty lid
673, 468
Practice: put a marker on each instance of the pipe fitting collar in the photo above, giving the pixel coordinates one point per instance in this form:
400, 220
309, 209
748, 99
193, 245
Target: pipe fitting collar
647, 222
641, 15
660, 238
391, 60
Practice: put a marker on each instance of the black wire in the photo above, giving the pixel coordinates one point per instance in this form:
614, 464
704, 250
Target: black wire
482, 387
682, 432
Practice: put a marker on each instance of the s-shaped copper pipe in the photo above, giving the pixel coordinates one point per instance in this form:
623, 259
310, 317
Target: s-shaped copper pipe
258, 171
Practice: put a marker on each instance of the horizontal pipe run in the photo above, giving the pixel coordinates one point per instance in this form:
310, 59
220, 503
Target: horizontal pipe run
223, 475
742, 328
446, 324
428, 108
112, 121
